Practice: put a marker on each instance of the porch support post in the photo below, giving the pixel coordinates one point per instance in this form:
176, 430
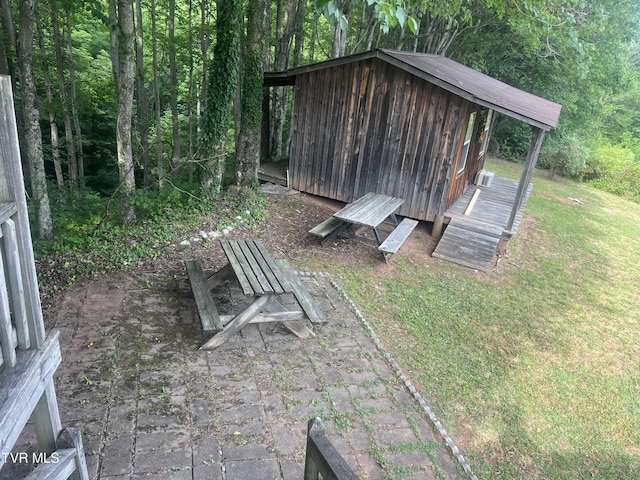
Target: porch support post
265, 132
525, 179
438, 223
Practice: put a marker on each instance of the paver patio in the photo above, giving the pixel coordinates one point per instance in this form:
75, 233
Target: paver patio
150, 403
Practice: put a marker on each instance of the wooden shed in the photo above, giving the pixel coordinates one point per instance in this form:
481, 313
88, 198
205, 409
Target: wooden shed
409, 125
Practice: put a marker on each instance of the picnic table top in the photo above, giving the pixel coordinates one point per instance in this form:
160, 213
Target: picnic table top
369, 210
257, 272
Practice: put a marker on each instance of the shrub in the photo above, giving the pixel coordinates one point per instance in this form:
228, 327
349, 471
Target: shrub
565, 156
614, 169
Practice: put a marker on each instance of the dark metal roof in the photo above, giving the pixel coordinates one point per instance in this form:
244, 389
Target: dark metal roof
451, 76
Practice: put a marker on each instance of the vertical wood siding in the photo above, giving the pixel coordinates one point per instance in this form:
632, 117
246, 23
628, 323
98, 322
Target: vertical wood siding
367, 126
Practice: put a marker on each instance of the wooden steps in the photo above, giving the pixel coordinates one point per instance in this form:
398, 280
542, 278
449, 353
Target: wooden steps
468, 243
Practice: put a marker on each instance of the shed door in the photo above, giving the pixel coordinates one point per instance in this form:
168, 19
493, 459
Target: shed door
465, 163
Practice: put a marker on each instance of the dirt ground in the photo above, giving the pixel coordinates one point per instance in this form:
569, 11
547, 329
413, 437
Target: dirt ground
285, 234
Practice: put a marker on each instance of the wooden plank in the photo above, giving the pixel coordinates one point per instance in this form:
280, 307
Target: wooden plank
18, 306
369, 210
266, 317
473, 201
6, 334
72, 438
468, 244
322, 458
45, 418
238, 322
245, 284
216, 278
295, 326
23, 387
301, 294
7, 210
61, 469
207, 311
326, 228
266, 265
255, 267
398, 236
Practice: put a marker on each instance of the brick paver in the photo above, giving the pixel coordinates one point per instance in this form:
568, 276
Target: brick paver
149, 402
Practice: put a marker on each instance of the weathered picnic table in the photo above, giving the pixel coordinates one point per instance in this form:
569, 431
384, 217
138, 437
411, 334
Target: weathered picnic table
260, 277
368, 211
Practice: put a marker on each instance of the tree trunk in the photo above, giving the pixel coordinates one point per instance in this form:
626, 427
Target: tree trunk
204, 50
113, 40
222, 87
248, 145
32, 119
285, 29
173, 80
74, 105
8, 36
339, 43
156, 91
53, 124
72, 165
142, 102
299, 33
190, 96
126, 63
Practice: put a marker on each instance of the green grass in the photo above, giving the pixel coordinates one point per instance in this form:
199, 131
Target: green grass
534, 367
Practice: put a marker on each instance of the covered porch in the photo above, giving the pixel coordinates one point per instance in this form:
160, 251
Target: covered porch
479, 220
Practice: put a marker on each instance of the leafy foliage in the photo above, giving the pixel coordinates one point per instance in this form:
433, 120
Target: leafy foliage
615, 169
564, 156
88, 243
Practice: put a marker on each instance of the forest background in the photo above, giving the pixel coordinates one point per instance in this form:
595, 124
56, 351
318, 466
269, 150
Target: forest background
158, 103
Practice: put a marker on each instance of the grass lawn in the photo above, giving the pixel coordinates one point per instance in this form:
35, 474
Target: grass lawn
533, 368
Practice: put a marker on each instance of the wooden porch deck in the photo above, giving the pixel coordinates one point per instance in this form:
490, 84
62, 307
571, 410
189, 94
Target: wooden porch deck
476, 226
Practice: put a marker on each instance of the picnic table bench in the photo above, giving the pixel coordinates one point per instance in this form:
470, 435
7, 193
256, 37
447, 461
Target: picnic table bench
260, 277
368, 211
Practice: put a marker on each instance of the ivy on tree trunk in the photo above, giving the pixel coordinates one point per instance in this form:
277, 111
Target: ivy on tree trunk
221, 91
248, 143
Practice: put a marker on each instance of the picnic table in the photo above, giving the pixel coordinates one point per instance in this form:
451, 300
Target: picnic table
368, 211
260, 277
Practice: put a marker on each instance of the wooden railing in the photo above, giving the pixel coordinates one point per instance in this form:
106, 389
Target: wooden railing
29, 356
322, 459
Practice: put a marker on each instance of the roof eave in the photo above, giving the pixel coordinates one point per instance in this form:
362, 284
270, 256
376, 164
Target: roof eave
273, 79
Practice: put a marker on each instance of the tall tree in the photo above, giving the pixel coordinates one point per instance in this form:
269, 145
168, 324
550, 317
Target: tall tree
142, 118
123, 65
173, 86
74, 103
248, 143
7, 39
285, 29
72, 163
156, 95
191, 94
32, 119
221, 92
53, 124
